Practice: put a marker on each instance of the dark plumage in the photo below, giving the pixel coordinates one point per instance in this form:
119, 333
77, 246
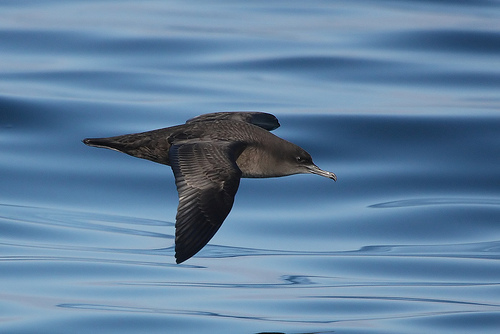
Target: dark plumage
208, 155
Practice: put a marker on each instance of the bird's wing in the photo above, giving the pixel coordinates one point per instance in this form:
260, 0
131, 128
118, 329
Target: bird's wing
260, 119
207, 179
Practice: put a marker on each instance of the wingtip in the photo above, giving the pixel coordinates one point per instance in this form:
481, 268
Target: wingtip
179, 259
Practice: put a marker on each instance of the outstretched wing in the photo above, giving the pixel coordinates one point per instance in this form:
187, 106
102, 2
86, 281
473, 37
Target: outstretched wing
207, 179
261, 119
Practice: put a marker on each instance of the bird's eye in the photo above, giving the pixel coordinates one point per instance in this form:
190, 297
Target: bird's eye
300, 159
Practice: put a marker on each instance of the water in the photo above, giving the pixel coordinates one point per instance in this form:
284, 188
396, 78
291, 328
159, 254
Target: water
399, 98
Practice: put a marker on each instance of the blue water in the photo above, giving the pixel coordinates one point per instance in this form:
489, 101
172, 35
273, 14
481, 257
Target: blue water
401, 99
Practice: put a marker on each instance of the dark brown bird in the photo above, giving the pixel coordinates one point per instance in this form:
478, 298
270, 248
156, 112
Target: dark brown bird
208, 155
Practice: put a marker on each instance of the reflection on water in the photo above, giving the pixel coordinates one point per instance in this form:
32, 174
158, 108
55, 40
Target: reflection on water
398, 98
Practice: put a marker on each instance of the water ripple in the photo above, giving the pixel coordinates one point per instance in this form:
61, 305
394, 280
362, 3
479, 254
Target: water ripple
436, 201
400, 98
451, 41
80, 220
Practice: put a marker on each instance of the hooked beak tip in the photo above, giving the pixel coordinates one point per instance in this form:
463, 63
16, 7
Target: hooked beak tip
316, 170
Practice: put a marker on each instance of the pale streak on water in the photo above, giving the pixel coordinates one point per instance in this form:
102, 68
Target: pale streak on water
398, 98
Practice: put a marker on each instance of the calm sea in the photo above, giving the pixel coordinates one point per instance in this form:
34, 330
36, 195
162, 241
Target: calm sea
401, 99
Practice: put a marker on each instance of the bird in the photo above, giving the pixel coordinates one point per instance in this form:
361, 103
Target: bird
209, 154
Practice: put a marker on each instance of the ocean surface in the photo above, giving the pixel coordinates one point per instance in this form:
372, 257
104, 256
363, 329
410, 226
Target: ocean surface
401, 99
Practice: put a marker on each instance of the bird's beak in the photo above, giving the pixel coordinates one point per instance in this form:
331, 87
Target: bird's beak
318, 171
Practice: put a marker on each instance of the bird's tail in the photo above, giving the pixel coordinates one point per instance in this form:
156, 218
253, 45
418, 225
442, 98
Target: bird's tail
109, 143
140, 145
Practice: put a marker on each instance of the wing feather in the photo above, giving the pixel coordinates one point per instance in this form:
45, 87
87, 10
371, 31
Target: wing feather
207, 178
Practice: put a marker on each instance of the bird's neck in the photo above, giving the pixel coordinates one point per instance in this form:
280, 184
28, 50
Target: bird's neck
257, 162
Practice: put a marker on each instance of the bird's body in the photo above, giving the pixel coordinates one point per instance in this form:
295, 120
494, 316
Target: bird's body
208, 155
